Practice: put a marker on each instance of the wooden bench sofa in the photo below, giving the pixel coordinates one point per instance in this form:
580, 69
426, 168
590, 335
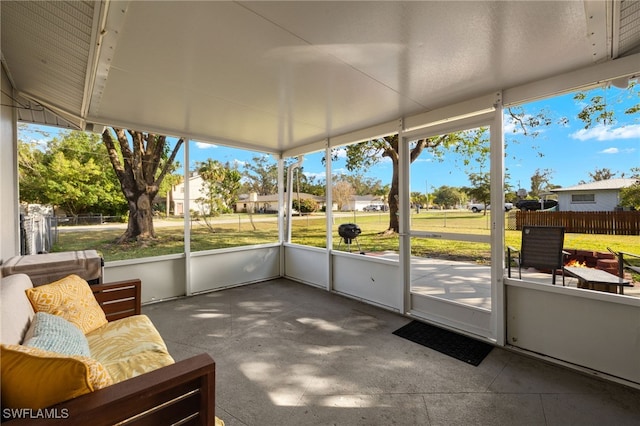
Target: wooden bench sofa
180, 392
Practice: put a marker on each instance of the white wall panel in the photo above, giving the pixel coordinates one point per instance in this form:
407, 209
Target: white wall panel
306, 264
162, 277
371, 279
9, 236
595, 330
243, 265
461, 317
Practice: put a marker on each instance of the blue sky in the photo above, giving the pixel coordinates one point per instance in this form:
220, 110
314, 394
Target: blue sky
569, 151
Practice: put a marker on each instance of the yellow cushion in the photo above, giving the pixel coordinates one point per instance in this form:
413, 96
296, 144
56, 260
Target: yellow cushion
129, 347
35, 378
71, 298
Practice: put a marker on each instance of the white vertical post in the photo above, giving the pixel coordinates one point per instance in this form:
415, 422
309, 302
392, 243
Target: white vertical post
187, 222
328, 190
404, 217
497, 223
281, 229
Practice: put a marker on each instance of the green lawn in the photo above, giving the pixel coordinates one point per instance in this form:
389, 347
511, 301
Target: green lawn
310, 230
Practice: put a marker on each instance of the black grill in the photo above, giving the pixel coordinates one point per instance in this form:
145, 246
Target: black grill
349, 232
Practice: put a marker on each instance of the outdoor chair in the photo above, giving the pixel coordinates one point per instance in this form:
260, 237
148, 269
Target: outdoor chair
541, 248
626, 263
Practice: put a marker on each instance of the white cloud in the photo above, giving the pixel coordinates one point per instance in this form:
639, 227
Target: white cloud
509, 125
340, 153
204, 145
605, 133
611, 150
614, 150
312, 175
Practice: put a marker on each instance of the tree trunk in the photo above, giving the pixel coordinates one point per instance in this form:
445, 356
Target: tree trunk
140, 225
392, 152
394, 208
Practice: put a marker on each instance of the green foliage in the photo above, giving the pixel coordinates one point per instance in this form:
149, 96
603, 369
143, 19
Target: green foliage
71, 172
599, 110
630, 196
311, 185
305, 205
362, 185
595, 111
602, 174
448, 197
480, 189
261, 175
220, 186
540, 182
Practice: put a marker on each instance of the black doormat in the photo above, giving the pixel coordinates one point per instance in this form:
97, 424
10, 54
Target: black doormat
455, 345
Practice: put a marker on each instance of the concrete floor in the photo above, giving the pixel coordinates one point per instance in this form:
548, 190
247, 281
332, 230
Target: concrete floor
290, 354
468, 283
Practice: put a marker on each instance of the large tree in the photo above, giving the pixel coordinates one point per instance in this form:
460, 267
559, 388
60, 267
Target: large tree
140, 165
480, 189
261, 175
540, 182
365, 154
448, 196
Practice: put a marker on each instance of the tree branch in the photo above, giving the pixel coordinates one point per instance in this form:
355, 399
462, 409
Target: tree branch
169, 162
113, 154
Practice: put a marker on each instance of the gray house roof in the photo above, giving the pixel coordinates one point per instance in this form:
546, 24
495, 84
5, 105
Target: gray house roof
609, 184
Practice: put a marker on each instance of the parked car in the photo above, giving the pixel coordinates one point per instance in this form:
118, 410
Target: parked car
372, 208
533, 205
476, 208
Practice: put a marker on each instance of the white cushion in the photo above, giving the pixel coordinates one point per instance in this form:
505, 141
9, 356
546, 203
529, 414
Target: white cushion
15, 308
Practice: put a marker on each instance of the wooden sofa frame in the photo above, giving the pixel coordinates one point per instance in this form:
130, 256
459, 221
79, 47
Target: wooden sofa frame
182, 393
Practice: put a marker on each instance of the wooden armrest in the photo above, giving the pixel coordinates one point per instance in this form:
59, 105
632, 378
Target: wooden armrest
513, 249
119, 299
168, 395
626, 253
620, 254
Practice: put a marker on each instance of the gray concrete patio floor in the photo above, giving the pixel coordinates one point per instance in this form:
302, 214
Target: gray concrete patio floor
468, 283
291, 354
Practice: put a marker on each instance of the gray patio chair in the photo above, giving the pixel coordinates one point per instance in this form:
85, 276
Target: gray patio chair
541, 248
626, 263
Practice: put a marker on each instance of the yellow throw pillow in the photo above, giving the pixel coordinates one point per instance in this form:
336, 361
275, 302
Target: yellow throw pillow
34, 378
72, 299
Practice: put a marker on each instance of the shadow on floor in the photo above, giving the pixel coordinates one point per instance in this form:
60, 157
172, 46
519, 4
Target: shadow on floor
290, 354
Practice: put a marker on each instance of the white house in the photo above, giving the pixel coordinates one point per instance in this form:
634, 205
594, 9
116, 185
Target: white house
359, 202
602, 195
195, 192
269, 203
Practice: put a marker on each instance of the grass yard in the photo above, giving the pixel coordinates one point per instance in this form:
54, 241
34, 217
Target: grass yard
236, 230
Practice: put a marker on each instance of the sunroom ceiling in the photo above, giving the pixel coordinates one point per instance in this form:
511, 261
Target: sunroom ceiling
276, 76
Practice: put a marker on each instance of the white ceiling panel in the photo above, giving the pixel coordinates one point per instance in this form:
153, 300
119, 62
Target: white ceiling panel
278, 76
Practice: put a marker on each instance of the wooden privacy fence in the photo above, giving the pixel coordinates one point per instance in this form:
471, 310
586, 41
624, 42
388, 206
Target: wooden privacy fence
611, 223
